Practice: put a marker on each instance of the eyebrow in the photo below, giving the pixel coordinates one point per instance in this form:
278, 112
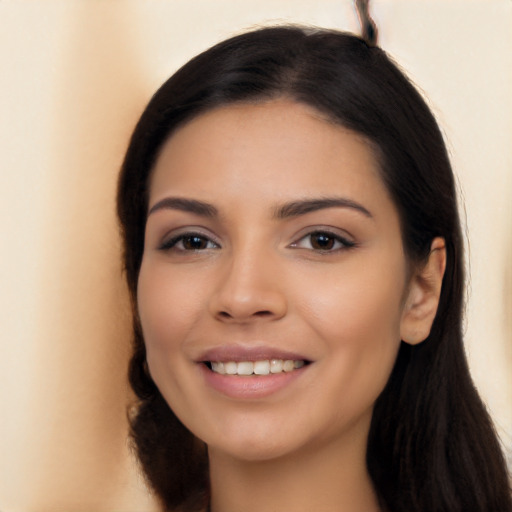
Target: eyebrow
285, 211
185, 205
296, 208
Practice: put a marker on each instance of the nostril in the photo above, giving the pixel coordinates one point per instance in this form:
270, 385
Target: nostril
225, 315
263, 313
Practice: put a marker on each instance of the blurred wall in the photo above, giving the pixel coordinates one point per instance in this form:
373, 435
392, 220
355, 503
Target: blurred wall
75, 76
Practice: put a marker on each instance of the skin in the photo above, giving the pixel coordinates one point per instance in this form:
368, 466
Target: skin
342, 300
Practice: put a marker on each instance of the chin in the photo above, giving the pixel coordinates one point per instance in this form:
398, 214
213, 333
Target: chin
253, 451
254, 446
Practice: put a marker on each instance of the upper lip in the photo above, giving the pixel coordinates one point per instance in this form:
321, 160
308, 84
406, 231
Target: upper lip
239, 353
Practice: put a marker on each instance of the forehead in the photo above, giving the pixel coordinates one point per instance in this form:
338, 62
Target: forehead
280, 149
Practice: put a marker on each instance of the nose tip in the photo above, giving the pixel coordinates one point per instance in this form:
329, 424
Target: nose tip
249, 292
238, 313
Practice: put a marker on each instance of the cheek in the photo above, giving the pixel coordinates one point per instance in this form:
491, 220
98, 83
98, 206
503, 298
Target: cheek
356, 303
168, 308
357, 317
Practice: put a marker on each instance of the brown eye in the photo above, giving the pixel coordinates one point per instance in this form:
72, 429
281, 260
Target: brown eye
194, 242
189, 242
323, 241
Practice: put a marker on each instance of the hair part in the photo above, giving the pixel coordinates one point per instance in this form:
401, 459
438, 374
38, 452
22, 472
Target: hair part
431, 446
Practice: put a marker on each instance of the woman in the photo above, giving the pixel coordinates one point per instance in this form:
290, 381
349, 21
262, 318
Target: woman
294, 258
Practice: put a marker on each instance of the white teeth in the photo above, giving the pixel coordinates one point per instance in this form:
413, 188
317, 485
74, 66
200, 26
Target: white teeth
288, 366
219, 368
276, 365
231, 368
264, 367
245, 368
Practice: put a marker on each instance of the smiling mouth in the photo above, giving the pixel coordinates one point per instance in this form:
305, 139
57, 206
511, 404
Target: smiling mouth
248, 368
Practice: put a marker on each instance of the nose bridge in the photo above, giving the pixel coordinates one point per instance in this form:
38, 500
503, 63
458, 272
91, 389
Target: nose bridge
249, 286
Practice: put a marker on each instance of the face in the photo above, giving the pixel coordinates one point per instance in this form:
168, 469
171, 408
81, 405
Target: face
273, 281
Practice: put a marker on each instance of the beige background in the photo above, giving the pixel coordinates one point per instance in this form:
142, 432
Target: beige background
75, 75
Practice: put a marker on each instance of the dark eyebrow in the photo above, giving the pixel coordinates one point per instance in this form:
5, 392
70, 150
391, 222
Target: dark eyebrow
185, 205
296, 208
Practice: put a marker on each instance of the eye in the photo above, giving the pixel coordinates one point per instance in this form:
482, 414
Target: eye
189, 242
323, 241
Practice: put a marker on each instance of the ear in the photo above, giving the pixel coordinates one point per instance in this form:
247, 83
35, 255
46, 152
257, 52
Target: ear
423, 296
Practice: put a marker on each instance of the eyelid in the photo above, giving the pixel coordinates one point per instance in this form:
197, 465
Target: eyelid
344, 238
170, 240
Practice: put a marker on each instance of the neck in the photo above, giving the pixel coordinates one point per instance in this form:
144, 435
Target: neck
331, 479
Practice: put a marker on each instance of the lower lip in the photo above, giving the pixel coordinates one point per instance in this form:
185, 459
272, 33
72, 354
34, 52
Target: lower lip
252, 386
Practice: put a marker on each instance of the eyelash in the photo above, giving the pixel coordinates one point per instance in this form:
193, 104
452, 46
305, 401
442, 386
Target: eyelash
332, 238
182, 237
343, 243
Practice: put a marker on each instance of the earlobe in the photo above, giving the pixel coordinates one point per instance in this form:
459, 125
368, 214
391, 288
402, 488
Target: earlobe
420, 307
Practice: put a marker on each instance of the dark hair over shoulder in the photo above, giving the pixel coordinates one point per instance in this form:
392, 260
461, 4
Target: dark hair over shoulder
432, 446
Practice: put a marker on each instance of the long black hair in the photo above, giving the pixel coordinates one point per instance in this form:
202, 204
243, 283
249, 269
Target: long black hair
431, 446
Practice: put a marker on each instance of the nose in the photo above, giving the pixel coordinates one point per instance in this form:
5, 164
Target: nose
249, 289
